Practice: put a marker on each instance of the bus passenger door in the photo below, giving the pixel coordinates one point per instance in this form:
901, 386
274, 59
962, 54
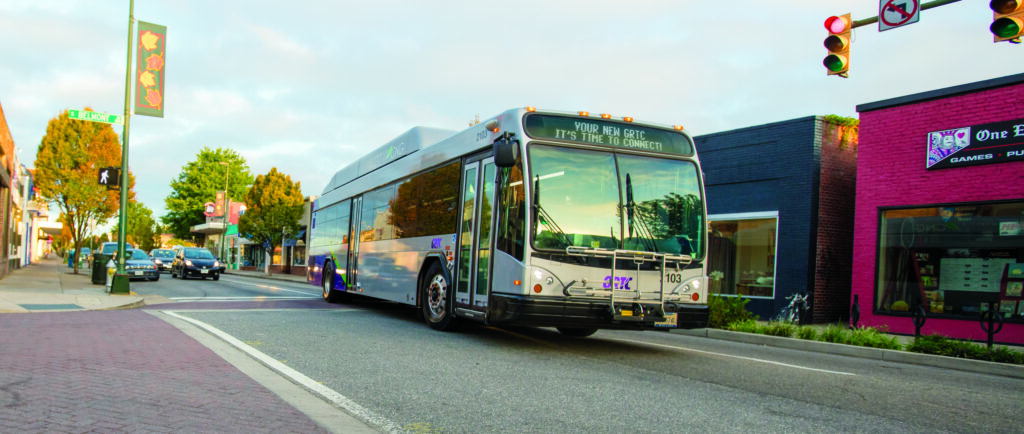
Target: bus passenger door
474, 260
352, 271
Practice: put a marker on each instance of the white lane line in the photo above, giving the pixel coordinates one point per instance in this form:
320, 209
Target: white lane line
265, 286
246, 298
752, 359
299, 378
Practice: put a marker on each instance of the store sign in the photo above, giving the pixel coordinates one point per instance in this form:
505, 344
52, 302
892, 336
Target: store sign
996, 142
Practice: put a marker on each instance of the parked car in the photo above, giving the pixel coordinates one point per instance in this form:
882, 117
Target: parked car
163, 258
138, 265
195, 261
109, 248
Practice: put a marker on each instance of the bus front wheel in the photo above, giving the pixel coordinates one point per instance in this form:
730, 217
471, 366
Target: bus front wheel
330, 295
436, 299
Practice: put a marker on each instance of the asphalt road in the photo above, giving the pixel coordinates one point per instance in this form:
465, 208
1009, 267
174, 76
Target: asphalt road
383, 361
228, 288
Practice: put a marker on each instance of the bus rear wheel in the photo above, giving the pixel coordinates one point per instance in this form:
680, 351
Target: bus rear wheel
327, 283
576, 332
436, 299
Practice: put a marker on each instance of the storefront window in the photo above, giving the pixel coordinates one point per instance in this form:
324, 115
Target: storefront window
741, 255
952, 260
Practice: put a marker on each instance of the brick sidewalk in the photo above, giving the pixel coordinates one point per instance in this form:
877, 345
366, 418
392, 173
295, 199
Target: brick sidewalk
116, 371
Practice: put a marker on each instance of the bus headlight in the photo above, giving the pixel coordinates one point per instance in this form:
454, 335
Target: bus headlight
543, 281
693, 290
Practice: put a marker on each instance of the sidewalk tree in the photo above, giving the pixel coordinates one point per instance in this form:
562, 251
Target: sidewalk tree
63, 242
140, 226
67, 163
198, 183
274, 207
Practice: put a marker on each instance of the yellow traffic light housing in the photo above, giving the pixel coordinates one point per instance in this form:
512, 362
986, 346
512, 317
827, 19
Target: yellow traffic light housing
837, 62
1007, 20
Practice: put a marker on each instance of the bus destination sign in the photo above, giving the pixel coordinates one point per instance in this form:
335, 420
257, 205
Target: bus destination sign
607, 133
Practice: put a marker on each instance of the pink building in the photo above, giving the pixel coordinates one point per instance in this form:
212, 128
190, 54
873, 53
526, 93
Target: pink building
939, 220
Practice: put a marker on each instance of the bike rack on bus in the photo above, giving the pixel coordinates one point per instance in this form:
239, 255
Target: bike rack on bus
638, 313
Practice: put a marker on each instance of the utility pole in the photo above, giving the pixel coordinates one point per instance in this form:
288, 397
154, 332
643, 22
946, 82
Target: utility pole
120, 282
226, 213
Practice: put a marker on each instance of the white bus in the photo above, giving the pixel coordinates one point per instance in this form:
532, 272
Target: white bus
535, 218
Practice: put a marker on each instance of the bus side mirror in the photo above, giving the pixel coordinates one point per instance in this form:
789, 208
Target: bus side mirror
506, 150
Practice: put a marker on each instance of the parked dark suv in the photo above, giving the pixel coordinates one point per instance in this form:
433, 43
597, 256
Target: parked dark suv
195, 261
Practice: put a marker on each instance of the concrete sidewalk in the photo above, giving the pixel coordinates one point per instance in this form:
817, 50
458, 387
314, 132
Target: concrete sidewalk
50, 285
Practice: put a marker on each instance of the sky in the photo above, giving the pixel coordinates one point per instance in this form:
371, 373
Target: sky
308, 86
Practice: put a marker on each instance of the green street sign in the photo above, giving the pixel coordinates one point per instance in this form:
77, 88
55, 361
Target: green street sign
95, 117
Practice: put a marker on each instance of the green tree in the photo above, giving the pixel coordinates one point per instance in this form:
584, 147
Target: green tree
140, 226
198, 183
274, 207
67, 168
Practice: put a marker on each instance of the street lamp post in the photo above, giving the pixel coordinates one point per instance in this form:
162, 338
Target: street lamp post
227, 202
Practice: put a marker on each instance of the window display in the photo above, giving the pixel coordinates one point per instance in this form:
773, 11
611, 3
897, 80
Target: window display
951, 260
741, 256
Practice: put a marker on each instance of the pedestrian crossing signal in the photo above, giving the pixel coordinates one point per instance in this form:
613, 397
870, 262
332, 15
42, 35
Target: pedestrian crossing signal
109, 176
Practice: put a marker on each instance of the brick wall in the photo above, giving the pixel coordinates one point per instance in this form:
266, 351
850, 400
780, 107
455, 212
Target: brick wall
891, 172
834, 254
779, 167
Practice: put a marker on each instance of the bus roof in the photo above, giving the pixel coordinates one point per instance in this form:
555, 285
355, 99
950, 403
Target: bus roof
407, 143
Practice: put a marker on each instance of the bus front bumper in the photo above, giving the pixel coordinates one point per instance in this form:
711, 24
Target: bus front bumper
574, 312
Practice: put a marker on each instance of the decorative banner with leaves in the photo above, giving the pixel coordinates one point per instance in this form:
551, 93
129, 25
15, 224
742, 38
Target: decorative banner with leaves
149, 70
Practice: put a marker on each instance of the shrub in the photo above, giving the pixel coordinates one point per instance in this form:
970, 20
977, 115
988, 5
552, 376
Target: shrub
1006, 355
781, 329
833, 333
807, 333
872, 338
727, 310
943, 346
745, 326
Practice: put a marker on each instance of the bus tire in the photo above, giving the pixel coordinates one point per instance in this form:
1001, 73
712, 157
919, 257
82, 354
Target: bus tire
436, 299
327, 284
576, 332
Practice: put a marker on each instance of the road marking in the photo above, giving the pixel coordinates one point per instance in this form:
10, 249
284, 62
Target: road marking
752, 359
245, 298
324, 392
264, 286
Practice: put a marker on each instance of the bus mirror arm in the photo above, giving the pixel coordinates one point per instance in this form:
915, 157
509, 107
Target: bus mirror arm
506, 150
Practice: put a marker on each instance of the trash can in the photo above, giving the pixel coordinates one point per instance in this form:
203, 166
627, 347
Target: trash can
99, 268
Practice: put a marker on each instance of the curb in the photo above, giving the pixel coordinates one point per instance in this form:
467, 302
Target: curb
141, 302
966, 365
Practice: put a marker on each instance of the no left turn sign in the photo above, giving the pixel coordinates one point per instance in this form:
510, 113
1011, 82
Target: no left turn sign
896, 13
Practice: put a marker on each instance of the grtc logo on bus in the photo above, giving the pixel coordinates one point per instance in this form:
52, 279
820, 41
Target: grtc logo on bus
619, 282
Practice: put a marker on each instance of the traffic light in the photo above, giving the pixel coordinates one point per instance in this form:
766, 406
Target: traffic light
1007, 20
838, 44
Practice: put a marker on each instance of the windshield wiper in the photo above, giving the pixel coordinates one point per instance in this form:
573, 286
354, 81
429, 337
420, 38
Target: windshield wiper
542, 215
632, 215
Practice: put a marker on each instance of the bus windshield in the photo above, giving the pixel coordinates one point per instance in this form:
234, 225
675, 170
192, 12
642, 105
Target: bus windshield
608, 200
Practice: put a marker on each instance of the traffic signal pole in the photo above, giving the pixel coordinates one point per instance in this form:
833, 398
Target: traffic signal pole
839, 27
120, 282
924, 7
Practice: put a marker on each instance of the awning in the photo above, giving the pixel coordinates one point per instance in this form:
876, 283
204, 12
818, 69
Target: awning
50, 228
299, 240
212, 228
